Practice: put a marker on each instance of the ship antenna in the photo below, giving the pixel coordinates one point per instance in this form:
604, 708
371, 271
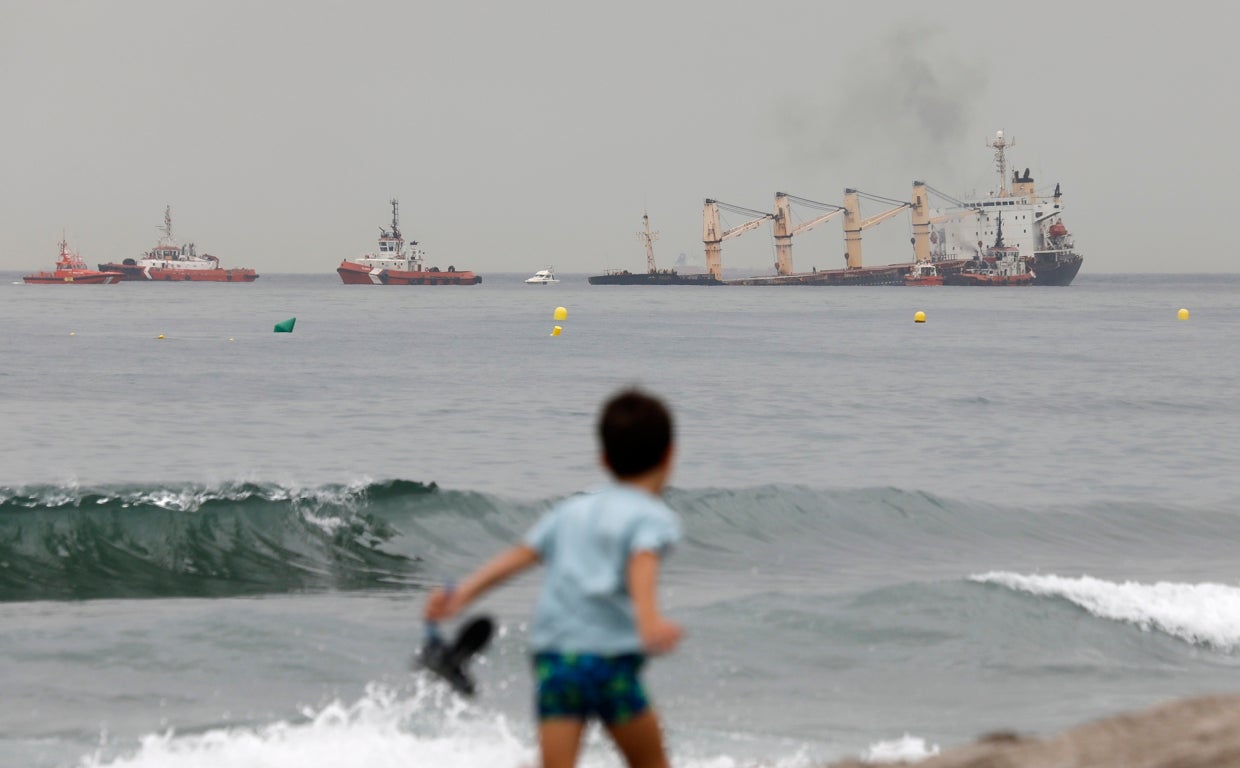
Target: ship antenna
1001, 144
168, 222
395, 217
648, 238
999, 233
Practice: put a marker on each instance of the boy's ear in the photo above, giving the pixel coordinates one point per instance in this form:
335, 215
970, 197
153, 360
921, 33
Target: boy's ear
669, 456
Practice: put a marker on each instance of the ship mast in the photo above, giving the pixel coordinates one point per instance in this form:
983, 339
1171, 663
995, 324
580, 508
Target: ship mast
1000, 145
647, 237
395, 217
168, 222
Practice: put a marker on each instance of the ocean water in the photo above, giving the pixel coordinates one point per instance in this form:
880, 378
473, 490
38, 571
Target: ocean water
214, 546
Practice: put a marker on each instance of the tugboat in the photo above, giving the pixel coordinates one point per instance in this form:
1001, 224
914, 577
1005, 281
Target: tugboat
71, 270
1002, 266
923, 273
399, 264
171, 261
543, 277
1035, 225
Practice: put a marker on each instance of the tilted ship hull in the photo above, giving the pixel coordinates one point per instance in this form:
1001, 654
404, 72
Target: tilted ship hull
653, 278
1055, 271
653, 275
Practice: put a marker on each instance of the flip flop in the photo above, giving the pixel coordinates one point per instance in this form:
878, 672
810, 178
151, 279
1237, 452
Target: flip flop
448, 661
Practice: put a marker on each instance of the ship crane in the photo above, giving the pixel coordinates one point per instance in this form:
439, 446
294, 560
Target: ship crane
713, 237
854, 224
922, 220
647, 237
784, 231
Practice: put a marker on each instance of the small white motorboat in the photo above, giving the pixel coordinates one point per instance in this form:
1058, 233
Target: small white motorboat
543, 277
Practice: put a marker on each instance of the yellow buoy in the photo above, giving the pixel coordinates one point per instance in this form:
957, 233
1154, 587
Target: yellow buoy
561, 313
556, 331
919, 317
1182, 314
73, 333
160, 336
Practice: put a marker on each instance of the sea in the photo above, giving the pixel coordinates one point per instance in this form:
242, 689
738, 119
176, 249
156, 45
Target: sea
215, 540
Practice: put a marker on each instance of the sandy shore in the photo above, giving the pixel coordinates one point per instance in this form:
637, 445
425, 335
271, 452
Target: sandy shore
1192, 733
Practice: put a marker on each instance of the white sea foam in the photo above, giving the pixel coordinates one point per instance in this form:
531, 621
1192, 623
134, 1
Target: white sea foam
381, 730
909, 749
1202, 614
428, 728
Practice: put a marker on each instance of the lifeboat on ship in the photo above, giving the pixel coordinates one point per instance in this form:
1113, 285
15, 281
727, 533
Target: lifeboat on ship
399, 263
170, 261
71, 270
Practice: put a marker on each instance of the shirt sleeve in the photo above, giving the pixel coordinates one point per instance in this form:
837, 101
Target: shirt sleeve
540, 537
655, 532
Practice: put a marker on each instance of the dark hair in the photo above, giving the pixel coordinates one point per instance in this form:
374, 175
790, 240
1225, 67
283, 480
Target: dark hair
636, 432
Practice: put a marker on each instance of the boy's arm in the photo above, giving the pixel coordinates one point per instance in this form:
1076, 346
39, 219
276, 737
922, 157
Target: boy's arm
658, 634
443, 604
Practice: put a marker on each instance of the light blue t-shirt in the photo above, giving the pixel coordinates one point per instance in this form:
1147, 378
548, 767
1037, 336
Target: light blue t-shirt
585, 542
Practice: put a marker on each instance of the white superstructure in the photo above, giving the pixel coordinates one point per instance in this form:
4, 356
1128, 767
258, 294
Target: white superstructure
543, 277
1031, 224
394, 253
169, 254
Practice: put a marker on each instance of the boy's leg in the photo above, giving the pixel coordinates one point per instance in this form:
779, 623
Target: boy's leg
640, 741
559, 738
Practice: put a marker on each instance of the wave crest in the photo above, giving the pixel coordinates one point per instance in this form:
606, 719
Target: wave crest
1202, 614
65, 542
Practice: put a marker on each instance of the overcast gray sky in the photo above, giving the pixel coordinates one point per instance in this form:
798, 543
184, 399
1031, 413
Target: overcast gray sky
521, 134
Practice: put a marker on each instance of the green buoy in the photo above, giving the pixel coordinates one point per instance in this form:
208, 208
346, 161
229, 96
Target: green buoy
286, 326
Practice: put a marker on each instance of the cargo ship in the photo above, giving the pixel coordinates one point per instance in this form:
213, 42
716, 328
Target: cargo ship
653, 275
1035, 227
71, 270
399, 263
949, 237
171, 261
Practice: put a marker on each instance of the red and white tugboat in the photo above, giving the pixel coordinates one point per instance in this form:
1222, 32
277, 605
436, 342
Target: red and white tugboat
169, 260
923, 273
71, 270
1002, 265
399, 264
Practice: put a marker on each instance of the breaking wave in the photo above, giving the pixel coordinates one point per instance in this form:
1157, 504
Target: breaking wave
1202, 614
58, 542
385, 729
69, 542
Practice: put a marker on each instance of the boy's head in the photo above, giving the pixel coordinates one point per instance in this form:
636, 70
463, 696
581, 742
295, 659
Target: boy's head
635, 430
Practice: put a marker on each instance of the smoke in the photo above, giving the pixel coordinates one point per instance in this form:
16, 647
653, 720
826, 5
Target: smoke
900, 108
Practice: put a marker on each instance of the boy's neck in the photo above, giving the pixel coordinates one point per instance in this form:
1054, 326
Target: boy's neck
652, 482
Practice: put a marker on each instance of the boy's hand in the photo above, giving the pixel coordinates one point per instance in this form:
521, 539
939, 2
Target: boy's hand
441, 605
661, 636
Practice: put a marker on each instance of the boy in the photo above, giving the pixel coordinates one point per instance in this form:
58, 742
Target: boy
597, 617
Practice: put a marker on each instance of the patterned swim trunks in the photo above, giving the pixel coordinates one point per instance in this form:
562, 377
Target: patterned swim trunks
583, 686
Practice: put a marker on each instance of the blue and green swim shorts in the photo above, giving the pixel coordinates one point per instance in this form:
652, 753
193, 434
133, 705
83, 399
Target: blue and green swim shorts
582, 686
